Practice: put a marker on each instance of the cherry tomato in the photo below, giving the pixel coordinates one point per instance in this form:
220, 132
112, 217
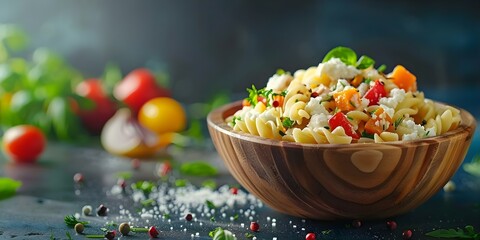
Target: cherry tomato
137, 88
162, 115
375, 93
339, 120
94, 119
24, 143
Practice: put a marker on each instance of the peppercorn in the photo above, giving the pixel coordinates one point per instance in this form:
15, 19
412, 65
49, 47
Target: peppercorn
407, 234
234, 190
79, 228
122, 183
314, 94
310, 236
152, 232
110, 235
254, 226
87, 210
275, 103
124, 228
102, 210
188, 217
392, 225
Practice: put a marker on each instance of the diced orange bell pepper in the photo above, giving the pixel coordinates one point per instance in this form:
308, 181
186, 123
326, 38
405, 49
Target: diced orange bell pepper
374, 125
347, 100
404, 79
357, 80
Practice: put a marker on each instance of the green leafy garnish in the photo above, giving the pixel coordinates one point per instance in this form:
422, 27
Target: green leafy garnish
166, 215
221, 234
473, 167
69, 237
382, 68
124, 175
8, 187
147, 202
145, 186
212, 219
365, 62
210, 204
367, 135
235, 217
280, 71
398, 121
252, 95
249, 235
346, 55
198, 168
209, 183
467, 233
235, 118
71, 220
326, 232
287, 122
181, 182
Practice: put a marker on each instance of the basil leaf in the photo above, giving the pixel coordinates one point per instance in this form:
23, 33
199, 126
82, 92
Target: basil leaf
382, 68
8, 187
221, 234
346, 55
198, 168
365, 62
447, 233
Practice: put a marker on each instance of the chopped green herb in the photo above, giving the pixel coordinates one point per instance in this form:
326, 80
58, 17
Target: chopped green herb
284, 93
281, 133
249, 235
252, 95
148, 202
166, 215
235, 217
212, 219
367, 135
181, 183
198, 168
343, 84
427, 133
209, 183
280, 71
367, 80
124, 175
69, 237
398, 121
71, 220
210, 204
350, 118
352, 104
145, 186
287, 122
326, 232
8, 187
327, 127
103, 229
467, 233
365, 62
382, 68
138, 230
235, 119
327, 99
423, 122
473, 167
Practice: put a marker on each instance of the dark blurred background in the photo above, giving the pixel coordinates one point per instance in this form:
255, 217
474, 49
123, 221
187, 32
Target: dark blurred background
212, 46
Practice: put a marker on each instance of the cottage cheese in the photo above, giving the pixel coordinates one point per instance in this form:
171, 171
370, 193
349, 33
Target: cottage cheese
417, 131
318, 121
314, 106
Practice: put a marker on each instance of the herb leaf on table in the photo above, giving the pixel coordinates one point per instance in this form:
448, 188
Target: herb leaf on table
8, 187
467, 233
71, 221
473, 167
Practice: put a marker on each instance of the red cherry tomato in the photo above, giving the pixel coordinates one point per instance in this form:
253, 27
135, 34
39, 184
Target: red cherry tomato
137, 88
94, 119
339, 120
24, 143
375, 93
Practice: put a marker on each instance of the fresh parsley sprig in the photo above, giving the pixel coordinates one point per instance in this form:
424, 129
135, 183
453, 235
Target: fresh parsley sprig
71, 221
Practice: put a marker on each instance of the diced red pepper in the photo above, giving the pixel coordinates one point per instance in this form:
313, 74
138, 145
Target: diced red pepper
340, 120
375, 93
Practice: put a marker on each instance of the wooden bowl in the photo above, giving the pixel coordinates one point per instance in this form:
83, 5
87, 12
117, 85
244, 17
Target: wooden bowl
331, 181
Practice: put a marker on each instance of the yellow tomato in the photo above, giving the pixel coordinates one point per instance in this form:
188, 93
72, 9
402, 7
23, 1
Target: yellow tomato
162, 115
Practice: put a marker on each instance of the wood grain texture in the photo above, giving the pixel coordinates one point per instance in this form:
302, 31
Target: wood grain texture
328, 181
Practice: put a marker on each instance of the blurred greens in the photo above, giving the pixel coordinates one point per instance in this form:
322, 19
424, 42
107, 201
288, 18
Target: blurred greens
37, 91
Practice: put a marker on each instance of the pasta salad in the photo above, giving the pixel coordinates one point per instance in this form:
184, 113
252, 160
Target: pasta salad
343, 100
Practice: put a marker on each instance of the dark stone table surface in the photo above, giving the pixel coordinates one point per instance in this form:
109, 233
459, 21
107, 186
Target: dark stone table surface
48, 194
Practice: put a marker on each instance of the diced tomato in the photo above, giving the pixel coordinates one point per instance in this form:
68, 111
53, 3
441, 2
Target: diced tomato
340, 120
375, 93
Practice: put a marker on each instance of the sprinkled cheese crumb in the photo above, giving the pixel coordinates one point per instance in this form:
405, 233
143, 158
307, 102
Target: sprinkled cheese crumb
318, 121
396, 96
279, 83
336, 69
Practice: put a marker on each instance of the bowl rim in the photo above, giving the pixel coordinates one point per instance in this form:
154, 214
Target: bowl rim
216, 120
